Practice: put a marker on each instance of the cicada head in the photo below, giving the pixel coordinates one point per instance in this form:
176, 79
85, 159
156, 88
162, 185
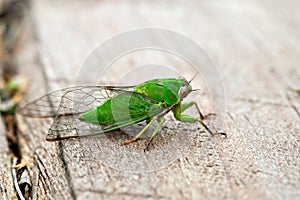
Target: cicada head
185, 89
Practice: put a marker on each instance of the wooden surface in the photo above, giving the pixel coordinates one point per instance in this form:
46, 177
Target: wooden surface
6, 183
255, 47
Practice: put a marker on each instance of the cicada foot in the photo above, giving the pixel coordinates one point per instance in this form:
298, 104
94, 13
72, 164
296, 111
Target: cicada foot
148, 145
130, 141
211, 132
222, 134
216, 133
208, 116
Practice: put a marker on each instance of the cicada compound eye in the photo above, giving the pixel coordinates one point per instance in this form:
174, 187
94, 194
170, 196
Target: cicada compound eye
183, 92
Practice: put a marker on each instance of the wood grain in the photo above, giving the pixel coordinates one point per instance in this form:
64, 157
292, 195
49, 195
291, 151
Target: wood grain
255, 47
6, 183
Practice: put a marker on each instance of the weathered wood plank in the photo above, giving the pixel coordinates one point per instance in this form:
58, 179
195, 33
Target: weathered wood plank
6, 182
255, 46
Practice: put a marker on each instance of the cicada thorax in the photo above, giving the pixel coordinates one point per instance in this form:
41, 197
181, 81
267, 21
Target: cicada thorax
170, 91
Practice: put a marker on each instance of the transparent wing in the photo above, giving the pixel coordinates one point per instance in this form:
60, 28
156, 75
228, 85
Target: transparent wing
67, 104
75, 100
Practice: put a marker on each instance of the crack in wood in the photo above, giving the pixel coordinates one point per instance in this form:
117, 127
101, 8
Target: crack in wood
291, 104
259, 101
66, 169
39, 163
129, 194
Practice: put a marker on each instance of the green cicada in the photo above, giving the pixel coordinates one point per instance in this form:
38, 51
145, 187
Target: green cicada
89, 110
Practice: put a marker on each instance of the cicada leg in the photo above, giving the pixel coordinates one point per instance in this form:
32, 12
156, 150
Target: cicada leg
179, 108
185, 106
141, 132
161, 121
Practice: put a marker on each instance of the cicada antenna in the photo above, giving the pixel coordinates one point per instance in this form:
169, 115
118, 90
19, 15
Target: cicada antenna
193, 78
